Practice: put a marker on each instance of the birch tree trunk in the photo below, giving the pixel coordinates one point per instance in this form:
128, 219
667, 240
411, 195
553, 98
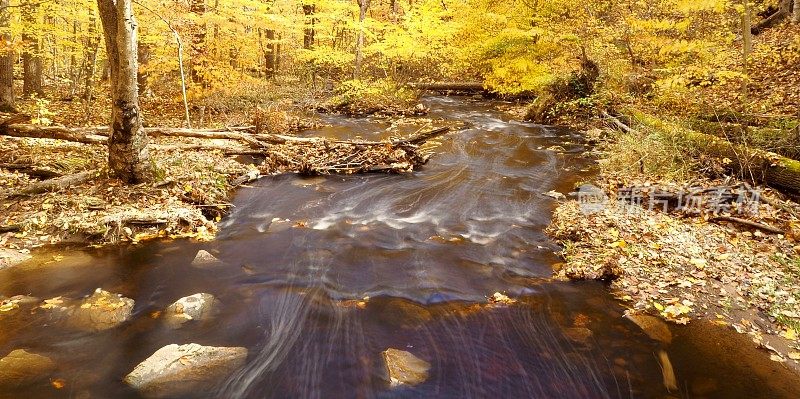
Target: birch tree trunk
363, 6
6, 61
128, 157
796, 12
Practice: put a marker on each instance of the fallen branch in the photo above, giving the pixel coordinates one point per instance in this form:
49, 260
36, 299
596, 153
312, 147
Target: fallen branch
31, 170
12, 228
748, 223
51, 132
56, 184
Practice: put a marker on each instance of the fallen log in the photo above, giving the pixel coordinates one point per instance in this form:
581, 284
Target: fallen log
770, 21
51, 132
450, 86
56, 184
757, 165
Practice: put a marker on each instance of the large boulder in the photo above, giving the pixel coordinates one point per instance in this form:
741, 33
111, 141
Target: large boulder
100, 311
404, 369
21, 368
197, 307
177, 370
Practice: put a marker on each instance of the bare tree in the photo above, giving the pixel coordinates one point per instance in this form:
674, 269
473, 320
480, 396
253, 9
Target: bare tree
6, 61
128, 157
363, 6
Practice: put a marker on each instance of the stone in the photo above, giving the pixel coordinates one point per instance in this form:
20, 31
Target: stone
404, 369
100, 311
205, 259
177, 370
580, 335
654, 327
21, 368
11, 257
196, 307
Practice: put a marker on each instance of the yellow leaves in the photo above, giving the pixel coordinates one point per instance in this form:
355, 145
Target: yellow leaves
618, 244
52, 303
789, 334
7, 306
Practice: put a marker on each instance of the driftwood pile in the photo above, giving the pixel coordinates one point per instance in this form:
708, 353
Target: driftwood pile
282, 153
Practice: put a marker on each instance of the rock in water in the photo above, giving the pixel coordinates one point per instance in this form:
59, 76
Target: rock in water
180, 370
205, 259
21, 368
652, 326
100, 311
196, 307
404, 369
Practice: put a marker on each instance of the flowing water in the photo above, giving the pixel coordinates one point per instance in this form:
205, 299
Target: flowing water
426, 249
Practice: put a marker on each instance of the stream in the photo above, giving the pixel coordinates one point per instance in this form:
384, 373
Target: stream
321, 275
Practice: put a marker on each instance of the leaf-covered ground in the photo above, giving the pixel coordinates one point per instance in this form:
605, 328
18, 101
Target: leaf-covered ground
684, 267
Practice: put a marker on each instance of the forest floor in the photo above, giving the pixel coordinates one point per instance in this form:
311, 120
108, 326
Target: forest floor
733, 266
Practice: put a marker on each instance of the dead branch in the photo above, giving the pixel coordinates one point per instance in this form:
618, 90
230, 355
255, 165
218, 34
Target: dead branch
56, 184
748, 223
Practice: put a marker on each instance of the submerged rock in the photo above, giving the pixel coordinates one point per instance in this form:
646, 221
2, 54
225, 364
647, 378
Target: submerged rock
21, 368
100, 311
205, 259
654, 327
179, 370
11, 257
196, 307
404, 369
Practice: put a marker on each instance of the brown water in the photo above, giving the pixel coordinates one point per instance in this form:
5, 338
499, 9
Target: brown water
427, 249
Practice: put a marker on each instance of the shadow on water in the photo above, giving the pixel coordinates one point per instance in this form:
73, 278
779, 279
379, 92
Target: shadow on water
426, 249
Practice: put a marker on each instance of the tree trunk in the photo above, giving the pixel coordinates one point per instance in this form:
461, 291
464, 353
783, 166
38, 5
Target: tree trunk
363, 5
128, 157
31, 57
197, 44
269, 55
796, 12
92, 46
308, 33
6, 61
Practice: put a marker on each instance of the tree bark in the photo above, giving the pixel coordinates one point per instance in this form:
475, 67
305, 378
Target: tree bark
31, 57
363, 6
128, 157
796, 12
6, 61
